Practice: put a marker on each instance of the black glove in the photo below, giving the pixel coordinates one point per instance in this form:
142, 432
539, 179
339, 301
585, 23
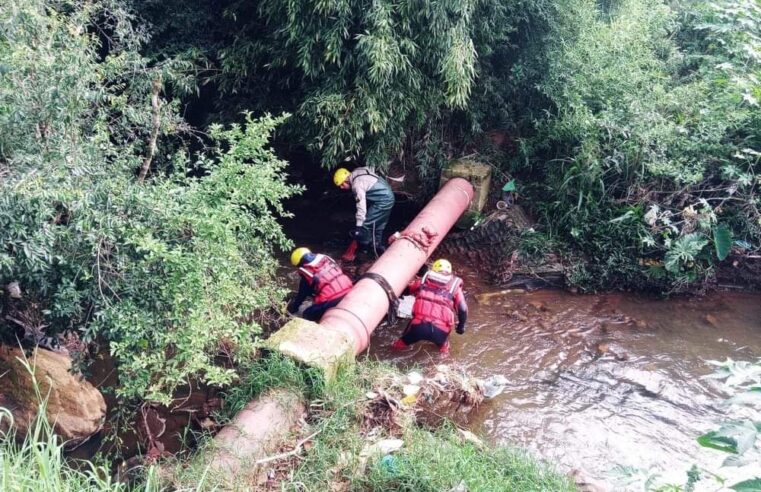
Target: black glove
460, 329
357, 233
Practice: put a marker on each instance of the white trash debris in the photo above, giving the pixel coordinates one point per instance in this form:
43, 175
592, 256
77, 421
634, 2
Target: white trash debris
380, 448
494, 386
410, 389
385, 446
460, 487
414, 377
404, 310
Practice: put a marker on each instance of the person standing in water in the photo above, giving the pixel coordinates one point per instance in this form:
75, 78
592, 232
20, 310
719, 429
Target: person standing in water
375, 199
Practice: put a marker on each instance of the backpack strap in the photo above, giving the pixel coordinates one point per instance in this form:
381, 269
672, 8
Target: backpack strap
366, 172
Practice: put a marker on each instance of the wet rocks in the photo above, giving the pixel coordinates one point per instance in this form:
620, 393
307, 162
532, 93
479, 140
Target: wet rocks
74, 407
618, 353
648, 383
538, 305
486, 298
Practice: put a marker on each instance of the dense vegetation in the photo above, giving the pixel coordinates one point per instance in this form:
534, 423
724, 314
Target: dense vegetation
110, 227
632, 126
649, 148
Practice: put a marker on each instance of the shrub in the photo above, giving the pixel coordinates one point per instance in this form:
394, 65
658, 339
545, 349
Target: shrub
163, 256
652, 138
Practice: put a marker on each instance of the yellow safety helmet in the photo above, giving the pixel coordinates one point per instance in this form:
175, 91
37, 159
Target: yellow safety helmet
442, 266
298, 254
341, 175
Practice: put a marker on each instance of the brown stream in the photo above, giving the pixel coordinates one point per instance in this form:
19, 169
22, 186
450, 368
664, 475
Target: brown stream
604, 380
595, 381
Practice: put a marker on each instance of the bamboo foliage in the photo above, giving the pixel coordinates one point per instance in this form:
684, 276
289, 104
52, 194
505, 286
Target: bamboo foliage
365, 73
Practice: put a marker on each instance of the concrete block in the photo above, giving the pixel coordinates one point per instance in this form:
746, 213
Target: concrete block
313, 344
477, 173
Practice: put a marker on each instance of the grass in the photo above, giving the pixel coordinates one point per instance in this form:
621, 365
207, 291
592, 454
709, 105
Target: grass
440, 461
37, 463
274, 371
428, 461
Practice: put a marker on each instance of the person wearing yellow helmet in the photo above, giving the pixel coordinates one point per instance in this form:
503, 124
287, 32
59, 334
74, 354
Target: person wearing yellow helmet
321, 278
340, 176
375, 199
439, 299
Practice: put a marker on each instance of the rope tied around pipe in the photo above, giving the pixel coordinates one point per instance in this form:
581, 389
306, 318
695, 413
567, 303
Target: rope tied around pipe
393, 301
422, 239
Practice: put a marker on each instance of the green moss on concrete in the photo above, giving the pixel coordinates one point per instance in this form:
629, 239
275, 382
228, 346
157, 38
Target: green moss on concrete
313, 345
477, 173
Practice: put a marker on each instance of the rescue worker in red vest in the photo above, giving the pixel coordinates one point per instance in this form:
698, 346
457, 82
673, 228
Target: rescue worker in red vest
375, 199
439, 307
322, 278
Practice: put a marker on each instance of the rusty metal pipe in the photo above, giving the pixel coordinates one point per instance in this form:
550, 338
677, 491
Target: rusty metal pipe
363, 308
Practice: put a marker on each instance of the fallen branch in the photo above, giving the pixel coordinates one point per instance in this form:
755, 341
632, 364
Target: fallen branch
156, 125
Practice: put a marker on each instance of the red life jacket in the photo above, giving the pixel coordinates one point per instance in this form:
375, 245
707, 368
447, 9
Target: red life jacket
326, 278
434, 302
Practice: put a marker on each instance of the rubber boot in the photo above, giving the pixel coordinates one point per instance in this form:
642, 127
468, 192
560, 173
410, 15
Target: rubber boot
399, 345
365, 253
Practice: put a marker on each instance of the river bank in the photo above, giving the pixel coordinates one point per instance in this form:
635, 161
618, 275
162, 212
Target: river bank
358, 434
608, 383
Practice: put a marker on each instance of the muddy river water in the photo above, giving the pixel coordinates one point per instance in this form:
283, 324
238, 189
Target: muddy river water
602, 382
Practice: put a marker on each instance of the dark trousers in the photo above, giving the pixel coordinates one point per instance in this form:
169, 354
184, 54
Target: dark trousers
424, 331
378, 214
315, 311
380, 201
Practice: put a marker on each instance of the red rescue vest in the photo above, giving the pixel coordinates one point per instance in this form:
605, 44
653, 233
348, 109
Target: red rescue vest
434, 302
326, 278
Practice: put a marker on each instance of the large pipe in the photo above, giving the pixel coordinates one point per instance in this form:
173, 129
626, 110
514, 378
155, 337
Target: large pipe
254, 432
363, 308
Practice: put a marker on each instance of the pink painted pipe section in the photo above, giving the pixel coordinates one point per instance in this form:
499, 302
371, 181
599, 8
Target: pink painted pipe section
363, 308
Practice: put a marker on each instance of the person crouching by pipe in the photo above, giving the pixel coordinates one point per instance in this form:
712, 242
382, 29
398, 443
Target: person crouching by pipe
438, 300
321, 278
